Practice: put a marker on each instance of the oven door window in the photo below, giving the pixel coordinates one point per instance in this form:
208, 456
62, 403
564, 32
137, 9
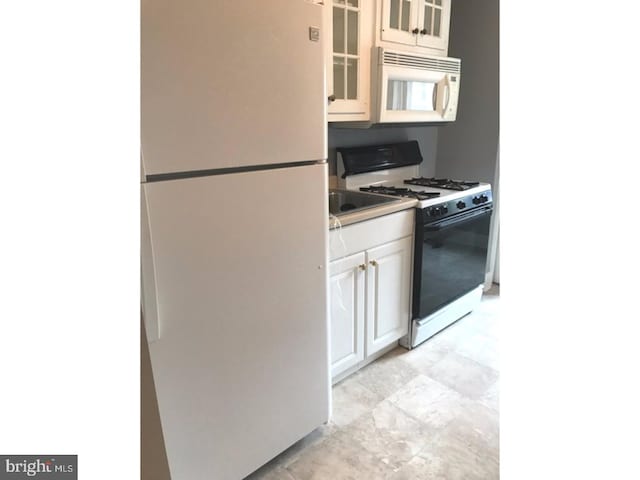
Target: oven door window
411, 95
451, 261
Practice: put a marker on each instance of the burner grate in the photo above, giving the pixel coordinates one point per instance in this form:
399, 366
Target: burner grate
400, 192
445, 183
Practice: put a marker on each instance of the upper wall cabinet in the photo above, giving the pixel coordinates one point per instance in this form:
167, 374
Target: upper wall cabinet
350, 24
415, 23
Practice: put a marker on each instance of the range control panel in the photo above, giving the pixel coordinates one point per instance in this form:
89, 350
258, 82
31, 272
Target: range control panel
453, 207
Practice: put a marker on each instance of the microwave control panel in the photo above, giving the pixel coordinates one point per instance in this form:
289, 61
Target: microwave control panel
452, 105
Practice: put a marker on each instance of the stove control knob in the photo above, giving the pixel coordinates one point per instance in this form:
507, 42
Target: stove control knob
484, 198
477, 200
461, 205
435, 211
444, 209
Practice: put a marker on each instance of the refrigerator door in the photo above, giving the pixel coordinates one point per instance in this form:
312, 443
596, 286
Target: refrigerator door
231, 83
241, 363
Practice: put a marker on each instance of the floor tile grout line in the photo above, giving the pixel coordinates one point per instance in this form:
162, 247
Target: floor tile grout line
374, 454
422, 422
319, 442
442, 427
476, 361
392, 393
354, 378
497, 372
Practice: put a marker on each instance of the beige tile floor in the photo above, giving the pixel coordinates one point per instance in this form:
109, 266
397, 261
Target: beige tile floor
429, 413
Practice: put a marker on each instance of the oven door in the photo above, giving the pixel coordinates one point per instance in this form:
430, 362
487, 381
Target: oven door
450, 259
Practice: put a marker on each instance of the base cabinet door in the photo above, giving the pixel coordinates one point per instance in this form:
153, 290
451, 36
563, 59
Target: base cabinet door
388, 293
347, 292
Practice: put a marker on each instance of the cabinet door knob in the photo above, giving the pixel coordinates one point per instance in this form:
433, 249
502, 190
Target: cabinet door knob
415, 31
332, 98
362, 267
373, 263
423, 31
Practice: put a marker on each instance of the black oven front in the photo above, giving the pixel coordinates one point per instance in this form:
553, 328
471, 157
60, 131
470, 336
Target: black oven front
451, 242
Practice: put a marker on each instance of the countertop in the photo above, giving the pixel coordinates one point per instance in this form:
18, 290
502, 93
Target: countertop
373, 212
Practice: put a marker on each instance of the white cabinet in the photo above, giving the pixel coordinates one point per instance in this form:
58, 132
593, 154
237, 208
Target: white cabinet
353, 28
416, 23
388, 293
370, 288
347, 291
350, 26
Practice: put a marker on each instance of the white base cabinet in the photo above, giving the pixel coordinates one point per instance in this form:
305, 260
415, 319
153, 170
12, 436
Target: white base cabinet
388, 293
347, 287
370, 289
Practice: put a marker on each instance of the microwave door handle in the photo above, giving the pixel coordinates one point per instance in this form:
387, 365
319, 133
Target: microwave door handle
446, 95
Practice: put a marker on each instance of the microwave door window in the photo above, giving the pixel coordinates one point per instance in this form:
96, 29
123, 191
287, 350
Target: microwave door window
408, 95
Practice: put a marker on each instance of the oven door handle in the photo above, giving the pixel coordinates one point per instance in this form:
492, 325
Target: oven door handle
434, 227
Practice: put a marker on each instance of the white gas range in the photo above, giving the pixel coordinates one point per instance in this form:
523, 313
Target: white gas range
451, 231
406, 182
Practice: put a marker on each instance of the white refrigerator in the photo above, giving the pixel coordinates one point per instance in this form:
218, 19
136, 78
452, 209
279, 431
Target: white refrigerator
234, 228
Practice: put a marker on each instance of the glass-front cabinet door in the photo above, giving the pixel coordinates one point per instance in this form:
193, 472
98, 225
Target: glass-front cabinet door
423, 23
399, 21
434, 23
348, 58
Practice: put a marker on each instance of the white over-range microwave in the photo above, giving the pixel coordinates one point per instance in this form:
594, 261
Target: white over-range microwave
409, 87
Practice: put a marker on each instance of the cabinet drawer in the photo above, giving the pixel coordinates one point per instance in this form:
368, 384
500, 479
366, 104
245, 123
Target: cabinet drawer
370, 233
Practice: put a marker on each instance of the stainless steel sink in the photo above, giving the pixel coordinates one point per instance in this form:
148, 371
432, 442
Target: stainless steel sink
349, 201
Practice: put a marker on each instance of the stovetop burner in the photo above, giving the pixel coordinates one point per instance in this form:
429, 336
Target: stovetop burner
400, 192
445, 183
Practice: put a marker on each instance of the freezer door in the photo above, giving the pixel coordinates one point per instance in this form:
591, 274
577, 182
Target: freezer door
231, 83
241, 363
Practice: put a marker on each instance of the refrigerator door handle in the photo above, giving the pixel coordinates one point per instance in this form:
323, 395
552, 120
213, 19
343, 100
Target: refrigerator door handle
148, 297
